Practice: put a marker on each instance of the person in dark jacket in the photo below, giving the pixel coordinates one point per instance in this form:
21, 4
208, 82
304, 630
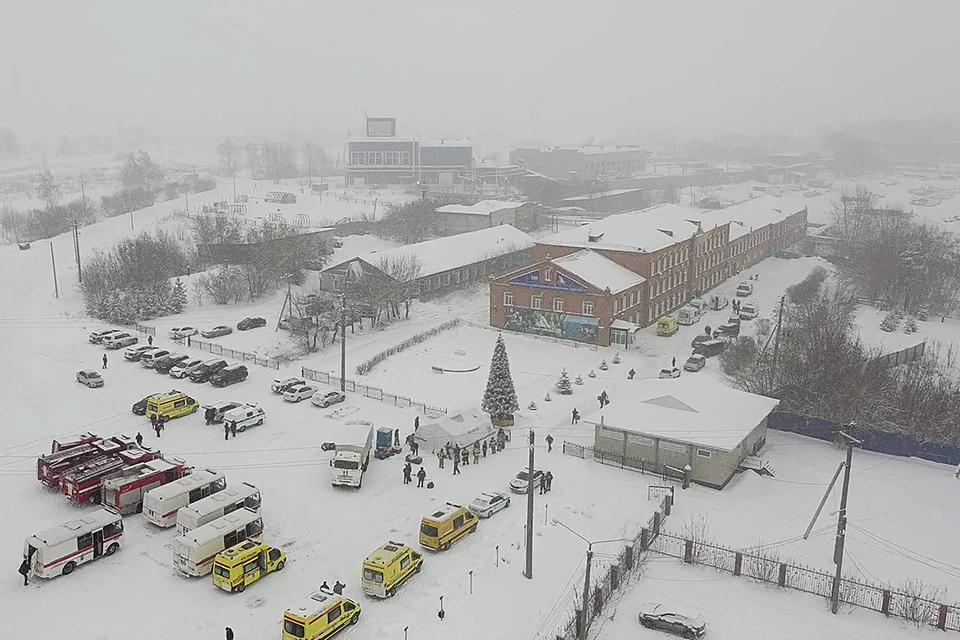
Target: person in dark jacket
150, 341
421, 476
456, 465
441, 456
575, 416
25, 571
104, 361
484, 448
158, 427
407, 470
226, 431
548, 480
338, 588
549, 443
396, 437
233, 429
229, 633
456, 451
414, 446
416, 423
465, 456
139, 439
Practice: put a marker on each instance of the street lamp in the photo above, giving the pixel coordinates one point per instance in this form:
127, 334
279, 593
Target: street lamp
586, 578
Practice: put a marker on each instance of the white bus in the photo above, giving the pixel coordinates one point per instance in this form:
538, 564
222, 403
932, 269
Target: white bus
195, 551
58, 551
160, 505
216, 506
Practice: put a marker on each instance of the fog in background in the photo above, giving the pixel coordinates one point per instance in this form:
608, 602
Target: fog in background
522, 70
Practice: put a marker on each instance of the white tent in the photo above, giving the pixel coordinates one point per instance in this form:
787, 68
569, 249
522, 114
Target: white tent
463, 428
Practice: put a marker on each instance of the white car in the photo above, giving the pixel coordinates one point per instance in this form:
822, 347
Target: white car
182, 332
488, 503
749, 310
669, 373
327, 398
184, 369
244, 417
90, 378
299, 392
134, 354
519, 484
150, 358
119, 340
279, 386
97, 336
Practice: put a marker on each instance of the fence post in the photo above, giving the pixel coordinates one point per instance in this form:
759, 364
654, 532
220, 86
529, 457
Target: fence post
688, 551
737, 563
942, 617
628, 558
644, 539
614, 577
666, 505
656, 523
782, 578
885, 605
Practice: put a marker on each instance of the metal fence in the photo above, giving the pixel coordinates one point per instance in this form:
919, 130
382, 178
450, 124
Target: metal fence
605, 583
375, 393
218, 350
624, 462
880, 598
569, 343
145, 330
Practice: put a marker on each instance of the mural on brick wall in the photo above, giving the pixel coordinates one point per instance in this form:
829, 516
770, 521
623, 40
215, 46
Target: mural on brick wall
560, 282
552, 324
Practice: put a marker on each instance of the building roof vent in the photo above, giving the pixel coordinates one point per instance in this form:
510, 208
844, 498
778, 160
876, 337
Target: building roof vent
666, 231
594, 237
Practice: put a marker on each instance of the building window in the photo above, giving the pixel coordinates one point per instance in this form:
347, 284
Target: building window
558, 305
391, 157
536, 302
375, 157
405, 158
358, 158
547, 274
508, 298
587, 307
446, 279
633, 298
704, 453
635, 439
673, 446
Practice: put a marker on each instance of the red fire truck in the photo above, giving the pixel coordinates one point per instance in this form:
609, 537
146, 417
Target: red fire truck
82, 483
73, 441
123, 490
51, 467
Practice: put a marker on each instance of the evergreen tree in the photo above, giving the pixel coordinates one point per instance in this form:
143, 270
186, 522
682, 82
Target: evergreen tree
179, 300
500, 398
564, 387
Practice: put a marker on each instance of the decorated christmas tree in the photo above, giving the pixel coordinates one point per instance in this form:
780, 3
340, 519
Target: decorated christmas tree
563, 386
500, 398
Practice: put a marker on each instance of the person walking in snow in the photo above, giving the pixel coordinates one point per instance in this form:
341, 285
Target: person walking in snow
414, 447
421, 476
416, 423
150, 341
226, 431
104, 361
456, 465
493, 446
233, 429
465, 456
407, 470
484, 448
548, 480
575, 415
549, 443
229, 633
476, 453
139, 439
158, 426
25, 571
396, 438
631, 373
673, 363
456, 452
441, 456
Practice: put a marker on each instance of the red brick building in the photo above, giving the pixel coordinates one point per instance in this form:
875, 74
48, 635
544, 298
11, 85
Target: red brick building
677, 252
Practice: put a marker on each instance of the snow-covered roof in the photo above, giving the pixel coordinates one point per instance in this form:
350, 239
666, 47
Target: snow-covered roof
66, 531
446, 142
602, 194
599, 271
594, 149
452, 252
643, 231
693, 409
482, 208
750, 214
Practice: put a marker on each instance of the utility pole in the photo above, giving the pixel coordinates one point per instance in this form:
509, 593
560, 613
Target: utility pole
529, 570
343, 339
776, 340
186, 195
586, 592
83, 199
76, 249
841, 524
56, 289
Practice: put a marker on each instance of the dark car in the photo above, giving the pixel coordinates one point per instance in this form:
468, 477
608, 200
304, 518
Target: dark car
229, 375
665, 619
140, 407
710, 348
251, 323
206, 370
165, 364
729, 329
702, 337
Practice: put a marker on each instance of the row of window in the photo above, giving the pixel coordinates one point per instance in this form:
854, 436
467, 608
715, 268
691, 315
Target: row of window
613, 434
669, 261
380, 158
536, 302
625, 302
665, 284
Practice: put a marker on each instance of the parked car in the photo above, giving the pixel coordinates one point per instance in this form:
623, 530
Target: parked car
734, 319
139, 407
119, 340
667, 373
182, 332
749, 311
90, 378
229, 375
279, 386
164, 365
695, 362
217, 331
204, 372
666, 619
744, 289
327, 398
150, 358
729, 330
185, 368
488, 503
251, 323
242, 418
299, 392
213, 413
519, 484
710, 348
697, 339
97, 336
133, 354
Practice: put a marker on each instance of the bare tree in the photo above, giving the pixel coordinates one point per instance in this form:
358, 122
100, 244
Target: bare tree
380, 292
48, 190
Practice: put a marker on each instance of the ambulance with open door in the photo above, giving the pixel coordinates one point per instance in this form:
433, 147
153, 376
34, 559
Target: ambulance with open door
160, 505
194, 552
60, 550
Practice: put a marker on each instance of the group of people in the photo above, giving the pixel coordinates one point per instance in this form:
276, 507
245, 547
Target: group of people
158, 421
338, 587
461, 455
546, 483
408, 475
229, 429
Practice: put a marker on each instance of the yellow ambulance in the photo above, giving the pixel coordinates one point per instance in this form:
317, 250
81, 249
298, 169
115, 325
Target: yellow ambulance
388, 567
171, 405
245, 563
321, 615
446, 525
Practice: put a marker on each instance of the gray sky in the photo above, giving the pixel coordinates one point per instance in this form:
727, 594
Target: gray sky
556, 70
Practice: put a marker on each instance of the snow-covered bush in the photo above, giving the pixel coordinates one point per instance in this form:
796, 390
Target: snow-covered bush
603, 365
578, 379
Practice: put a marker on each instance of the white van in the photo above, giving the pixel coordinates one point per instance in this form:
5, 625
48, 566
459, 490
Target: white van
242, 417
160, 505
744, 289
194, 516
58, 551
194, 552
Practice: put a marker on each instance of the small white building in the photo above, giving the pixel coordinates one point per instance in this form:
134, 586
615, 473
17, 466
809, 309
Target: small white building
691, 420
462, 218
